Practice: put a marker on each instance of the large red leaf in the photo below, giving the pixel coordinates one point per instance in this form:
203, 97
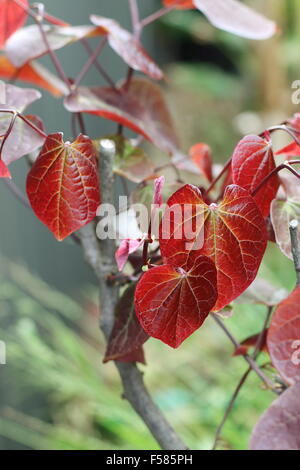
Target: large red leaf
236, 18
12, 17
252, 161
179, 4
22, 139
141, 107
33, 73
127, 336
128, 47
63, 186
232, 234
279, 426
172, 301
27, 43
284, 338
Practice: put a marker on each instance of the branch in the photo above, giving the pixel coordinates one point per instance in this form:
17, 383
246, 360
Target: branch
294, 224
243, 379
101, 257
268, 382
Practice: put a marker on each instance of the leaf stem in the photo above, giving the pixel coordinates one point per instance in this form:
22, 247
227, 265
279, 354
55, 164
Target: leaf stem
283, 166
215, 181
98, 66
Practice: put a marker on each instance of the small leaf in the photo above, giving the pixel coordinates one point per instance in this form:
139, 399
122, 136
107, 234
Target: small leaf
279, 426
236, 18
202, 157
12, 17
27, 43
172, 302
179, 4
158, 189
232, 234
252, 341
63, 186
282, 213
252, 161
284, 338
33, 73
141, 107
291, 150
126, 248
128, 47
131, 162
127, 336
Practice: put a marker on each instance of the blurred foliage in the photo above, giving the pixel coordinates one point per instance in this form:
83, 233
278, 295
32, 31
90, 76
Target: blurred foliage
54, 372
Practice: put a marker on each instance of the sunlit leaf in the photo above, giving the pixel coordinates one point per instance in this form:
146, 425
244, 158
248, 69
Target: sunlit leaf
63, 186
128, 47
12, 17
252, 161
141, 107
33, 73
236, 18
232, 234
27, 43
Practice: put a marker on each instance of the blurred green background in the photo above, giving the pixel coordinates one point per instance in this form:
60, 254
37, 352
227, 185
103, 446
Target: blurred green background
55, 393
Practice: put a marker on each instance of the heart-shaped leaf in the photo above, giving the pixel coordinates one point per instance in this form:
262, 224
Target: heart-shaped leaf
284, 338
252, 161
141, 107
33, 73
279, 426
232, 234
63, 186
27, 43
128, 47
236, 18
127, 336
172, 302
12, 17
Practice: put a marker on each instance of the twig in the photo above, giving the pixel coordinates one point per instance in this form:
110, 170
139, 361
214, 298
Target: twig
101, 257
269, 383
243, 379
135, 18
155, 16
293, 226
90, 62
283, 166
98, 66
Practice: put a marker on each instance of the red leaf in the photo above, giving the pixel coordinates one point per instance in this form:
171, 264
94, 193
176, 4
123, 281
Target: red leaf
284, 338
63, 186
179, 4
252, 342
236, 18
127, 337
12, 17
291, 150
279, 426
202, 157
4, 171
172, 302
142, 108
26, 44
22, 139
33, 73
252, 161
232, 234
128, 47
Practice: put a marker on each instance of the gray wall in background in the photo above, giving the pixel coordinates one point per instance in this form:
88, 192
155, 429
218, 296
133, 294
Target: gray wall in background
22, 237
